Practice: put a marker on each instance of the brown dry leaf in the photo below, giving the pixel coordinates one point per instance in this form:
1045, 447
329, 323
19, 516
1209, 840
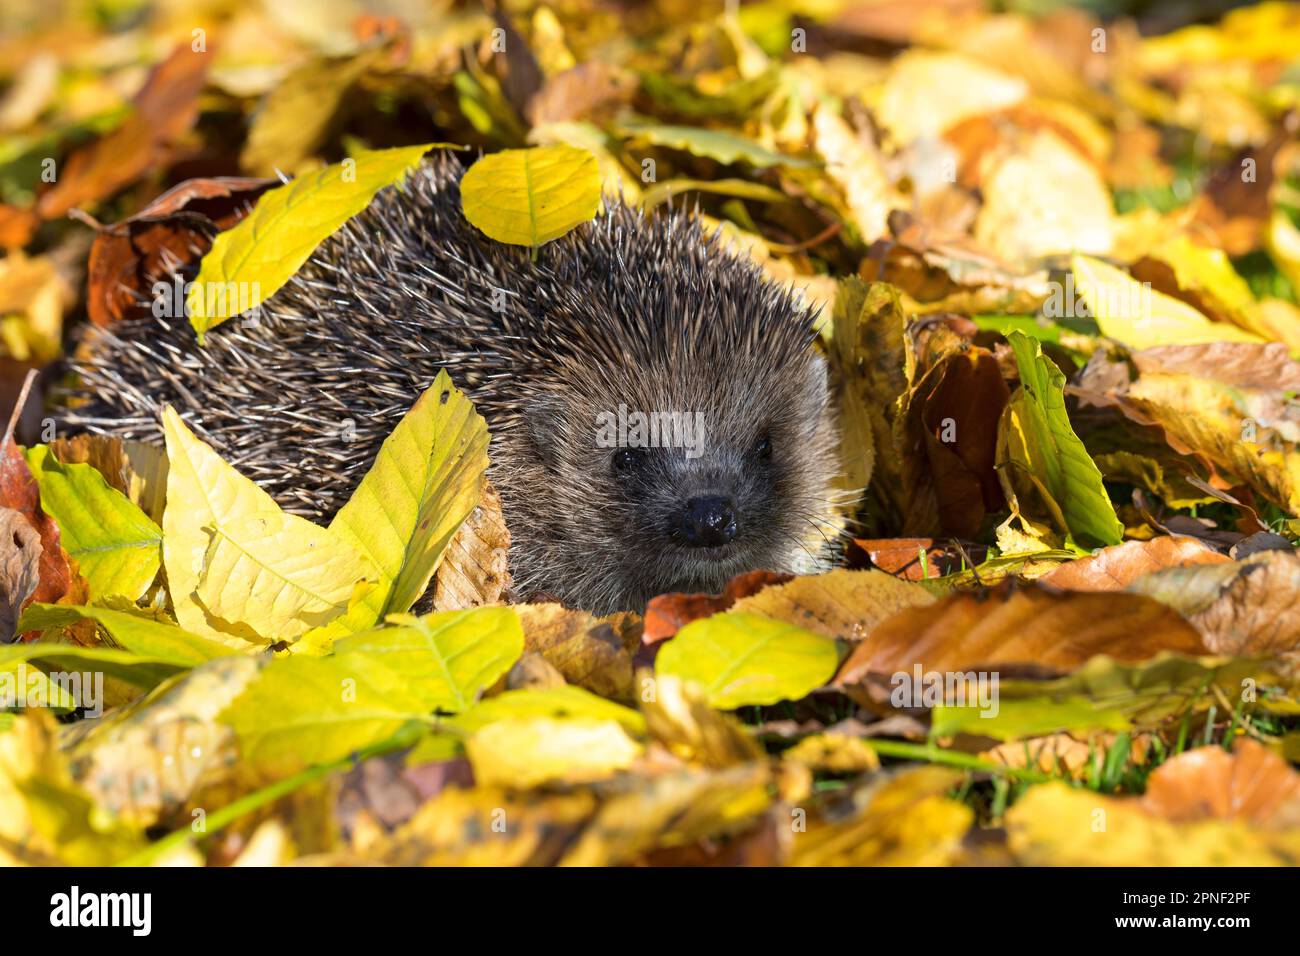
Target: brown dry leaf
939, 276
679, 718
667, 614
1020, 625
589, 651
913, 559
165, 109
533, 672
671, 809
1116, 567
19, 491
948, 440
166, 238
580, 92
20, 557
475, 569
905, 819
1252, 783
842, 604
1243, 608
1229, 402
485, 826
137, 469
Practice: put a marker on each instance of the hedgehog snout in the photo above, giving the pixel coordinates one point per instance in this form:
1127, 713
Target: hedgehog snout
708, 522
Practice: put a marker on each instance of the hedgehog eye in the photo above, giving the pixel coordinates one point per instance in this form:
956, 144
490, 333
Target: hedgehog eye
763, 449
625, 459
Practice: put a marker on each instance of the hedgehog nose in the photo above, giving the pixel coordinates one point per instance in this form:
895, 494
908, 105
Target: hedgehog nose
709, 522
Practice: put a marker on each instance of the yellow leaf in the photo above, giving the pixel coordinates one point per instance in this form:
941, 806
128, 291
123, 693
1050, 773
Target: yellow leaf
249, 263
425, 481
1140, 317
237, 565
526, 753
530, 196
1055, 825
744, 659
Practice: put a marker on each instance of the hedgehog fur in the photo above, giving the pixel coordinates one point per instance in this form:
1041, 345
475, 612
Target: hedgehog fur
632, 311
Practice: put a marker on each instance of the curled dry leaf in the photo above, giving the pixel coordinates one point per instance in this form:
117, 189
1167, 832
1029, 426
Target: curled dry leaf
1252, 784
948, 437
1028, 626
20, 556
1244, 608
588, 651
167, 237
667, 614
19, 491
475, 567
1116, 567
841, 604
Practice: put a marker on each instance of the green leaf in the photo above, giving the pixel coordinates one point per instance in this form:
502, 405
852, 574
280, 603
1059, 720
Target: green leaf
423, 485
1104, 694
530, 196
716, 144
301, 711
249, 263
136, 669
446, 658
117, 547
138, 632
1037, 437
1140, 317
742, 659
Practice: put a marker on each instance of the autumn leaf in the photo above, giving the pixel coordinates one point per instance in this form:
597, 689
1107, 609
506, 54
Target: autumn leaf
1114, 568
238, 566
748, 659
249, 263
1028, 626
530, 196
1036, 444
116, 546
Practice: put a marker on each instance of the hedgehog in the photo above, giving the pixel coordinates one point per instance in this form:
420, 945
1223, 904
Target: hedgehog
659, 413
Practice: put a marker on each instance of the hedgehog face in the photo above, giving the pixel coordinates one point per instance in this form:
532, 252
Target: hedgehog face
684, 484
